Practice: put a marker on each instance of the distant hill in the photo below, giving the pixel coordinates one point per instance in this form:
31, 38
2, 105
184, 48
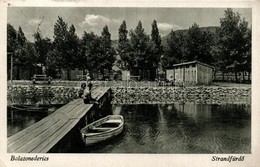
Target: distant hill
212, 29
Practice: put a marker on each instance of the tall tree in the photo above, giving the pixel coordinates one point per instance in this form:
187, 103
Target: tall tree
175, 48
248, 53
23, 52
123, 45
157, 48
42, 47
60, 47
27, 55
234, 41
54, 60
21, 55
11, 45
11, 38
122, 35
139, 43
21, 38
198, 45
65, 45
107, 56
156, 38
91, 50
74, 44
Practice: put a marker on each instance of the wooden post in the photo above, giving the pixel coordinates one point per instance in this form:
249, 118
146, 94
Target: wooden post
11, 77
183, 76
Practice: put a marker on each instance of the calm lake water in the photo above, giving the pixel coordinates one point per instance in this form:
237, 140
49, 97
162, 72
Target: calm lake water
18, 120
174, 128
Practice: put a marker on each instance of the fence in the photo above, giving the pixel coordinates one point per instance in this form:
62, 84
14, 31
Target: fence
230, 78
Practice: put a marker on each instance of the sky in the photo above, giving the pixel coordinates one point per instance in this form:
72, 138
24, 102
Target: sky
95, 18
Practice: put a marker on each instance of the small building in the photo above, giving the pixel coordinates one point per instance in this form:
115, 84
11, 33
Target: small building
190, 73
125, 75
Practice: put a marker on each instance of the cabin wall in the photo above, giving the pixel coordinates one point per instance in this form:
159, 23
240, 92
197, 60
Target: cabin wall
204, 74
191, 74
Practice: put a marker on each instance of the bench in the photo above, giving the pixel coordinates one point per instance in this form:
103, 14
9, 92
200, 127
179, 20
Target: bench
83, 77
135, 77
44, 78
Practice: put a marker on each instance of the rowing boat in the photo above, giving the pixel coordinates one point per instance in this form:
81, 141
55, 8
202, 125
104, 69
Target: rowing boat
102, 129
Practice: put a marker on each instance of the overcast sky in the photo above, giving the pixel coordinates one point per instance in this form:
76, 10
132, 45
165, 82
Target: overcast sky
94, 19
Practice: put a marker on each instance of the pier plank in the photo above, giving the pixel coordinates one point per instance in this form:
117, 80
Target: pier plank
43, 135
29, 146
77, 113
28, 130
40, 123
50, 142
30, 136
40, 129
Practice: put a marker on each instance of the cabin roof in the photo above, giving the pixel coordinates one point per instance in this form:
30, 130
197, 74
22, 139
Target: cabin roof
188, 63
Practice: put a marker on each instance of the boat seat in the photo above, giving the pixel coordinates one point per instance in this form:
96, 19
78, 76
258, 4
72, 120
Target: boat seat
114, 121
103, 128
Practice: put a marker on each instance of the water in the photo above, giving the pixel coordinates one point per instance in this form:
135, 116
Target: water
18, 120
181, 128
173, 128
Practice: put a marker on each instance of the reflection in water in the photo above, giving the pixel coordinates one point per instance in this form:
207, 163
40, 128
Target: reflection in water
182, 128
18, 120
168, 128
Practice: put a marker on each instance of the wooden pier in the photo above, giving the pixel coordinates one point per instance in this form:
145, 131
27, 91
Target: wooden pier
43, 135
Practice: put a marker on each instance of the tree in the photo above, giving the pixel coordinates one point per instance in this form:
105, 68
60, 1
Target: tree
60, 48
23, 52
65, 45
175, 48
73, 44
157, 48
156, 38
21, 39
234, 42
19, 51
107, 55
27, 55
122, 35
138, 58
54, 61
248, 54
198, 45
244, 35
193, 44
91, 51
123, 45
143, 56
11, 38
11, 45
42, 47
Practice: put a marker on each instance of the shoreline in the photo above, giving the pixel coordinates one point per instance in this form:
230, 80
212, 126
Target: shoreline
198, 95
144, 94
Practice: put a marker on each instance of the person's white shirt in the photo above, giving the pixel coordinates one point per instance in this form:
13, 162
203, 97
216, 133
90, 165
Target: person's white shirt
88, 78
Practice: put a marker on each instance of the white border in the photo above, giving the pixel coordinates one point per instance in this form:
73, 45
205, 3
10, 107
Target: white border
125, 160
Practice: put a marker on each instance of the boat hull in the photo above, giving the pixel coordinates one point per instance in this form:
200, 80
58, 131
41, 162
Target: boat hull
104, 133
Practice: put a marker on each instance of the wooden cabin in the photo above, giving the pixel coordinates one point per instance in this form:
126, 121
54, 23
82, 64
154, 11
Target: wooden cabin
190, 73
